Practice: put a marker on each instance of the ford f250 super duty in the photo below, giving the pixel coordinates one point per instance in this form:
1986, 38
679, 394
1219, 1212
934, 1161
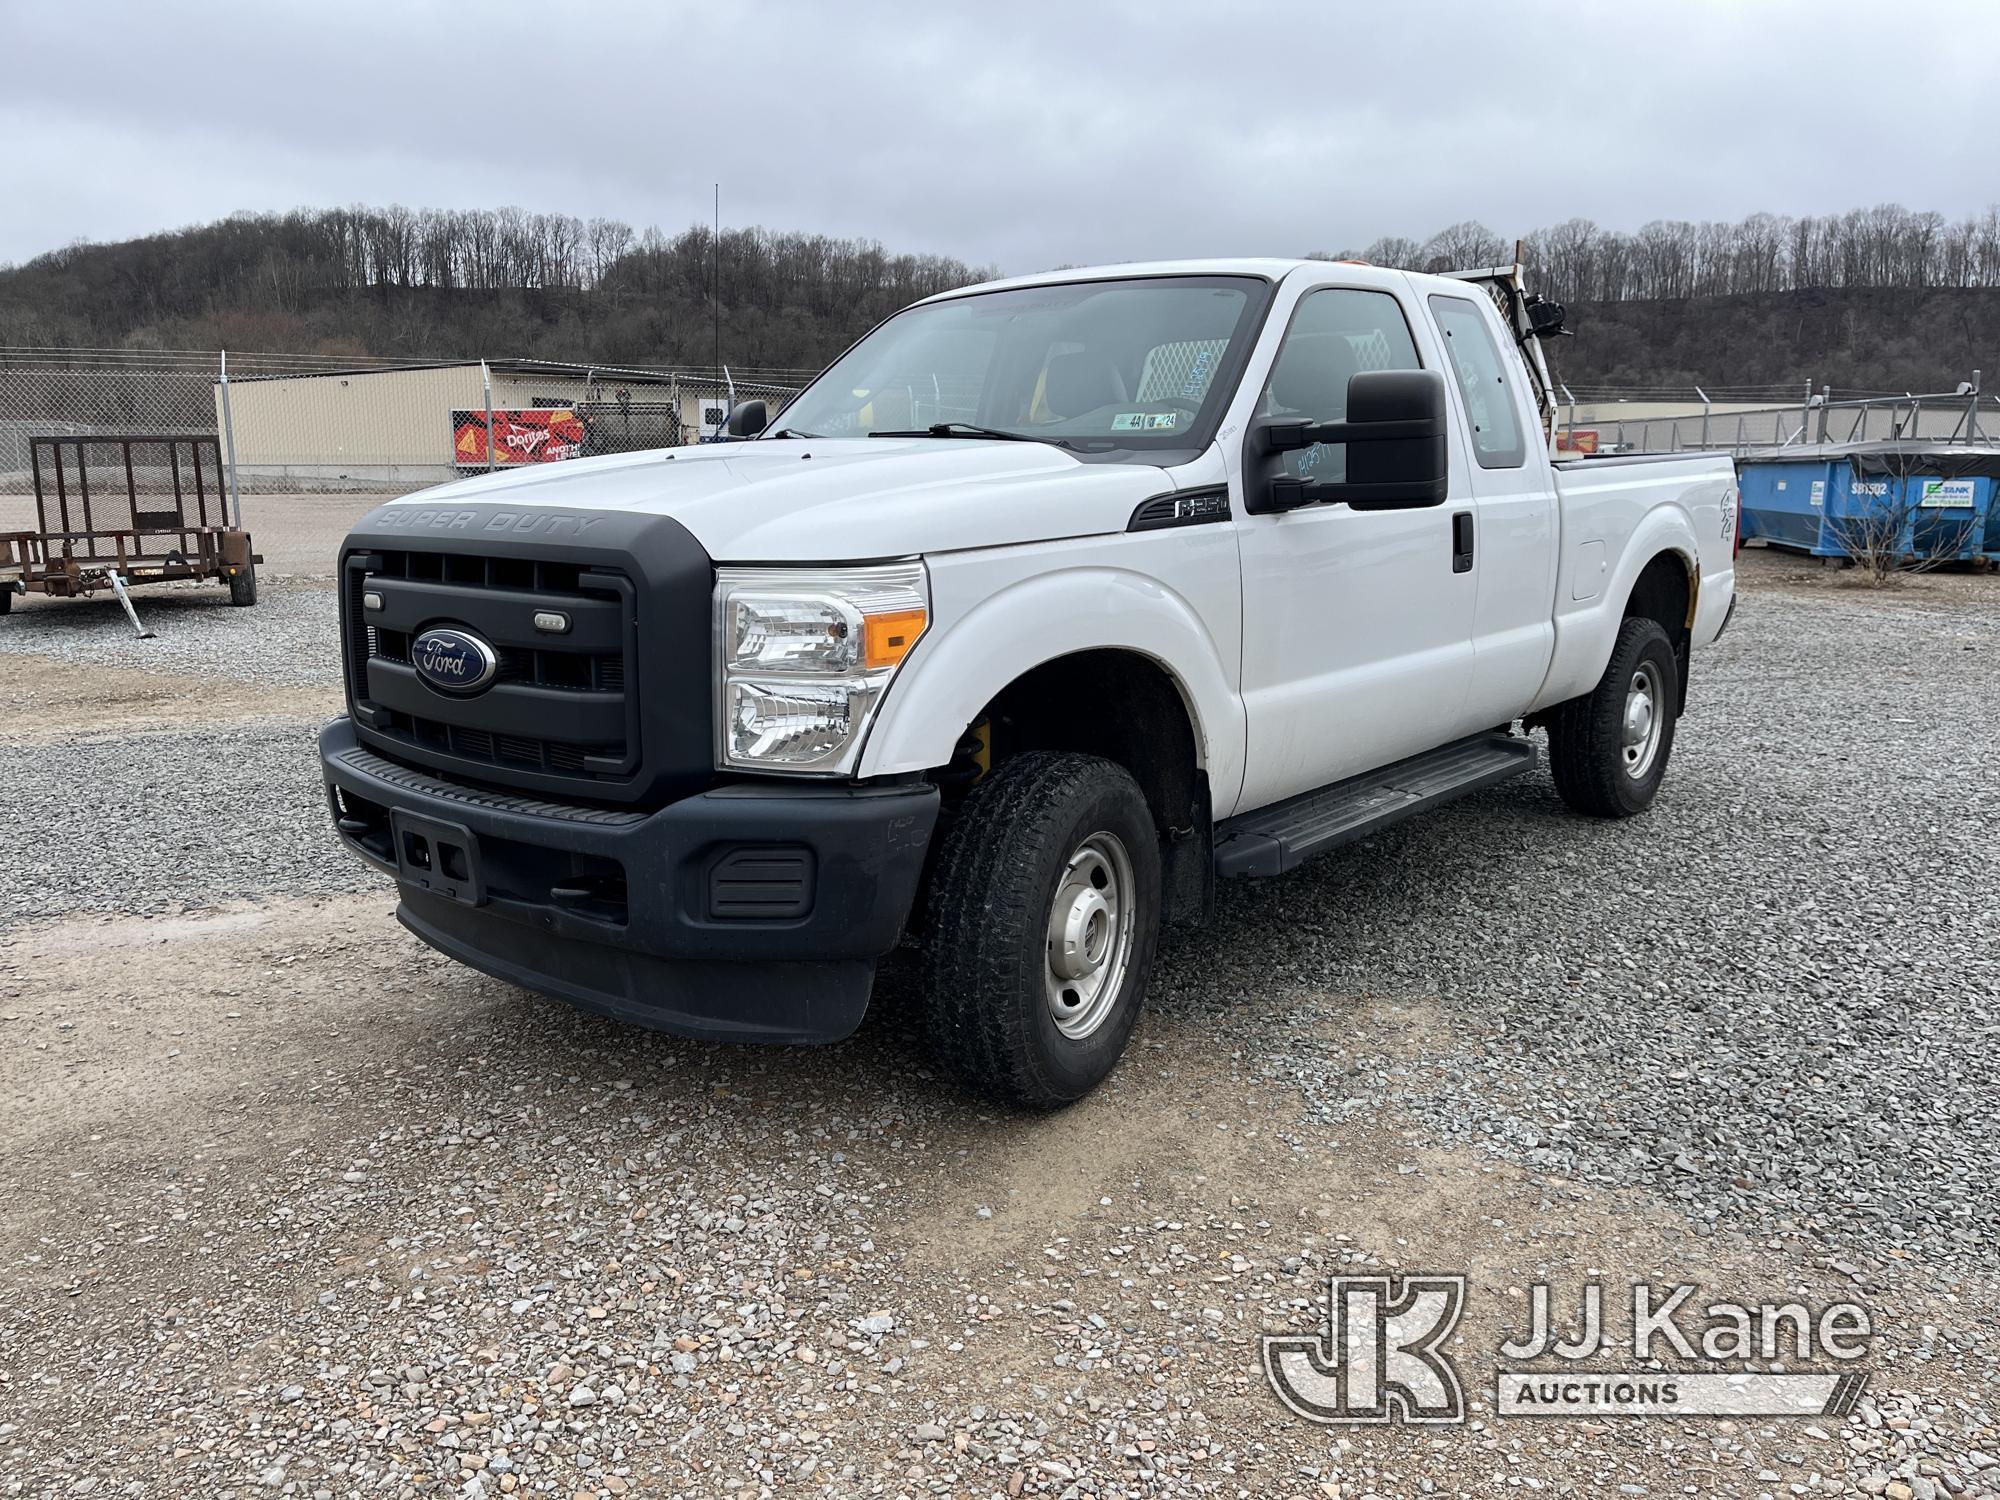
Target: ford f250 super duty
1049, 603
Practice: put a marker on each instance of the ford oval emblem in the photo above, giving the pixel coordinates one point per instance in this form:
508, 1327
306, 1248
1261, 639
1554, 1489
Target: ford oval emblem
454, 661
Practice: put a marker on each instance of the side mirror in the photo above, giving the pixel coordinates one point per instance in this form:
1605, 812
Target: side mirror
746, 419
1395, 440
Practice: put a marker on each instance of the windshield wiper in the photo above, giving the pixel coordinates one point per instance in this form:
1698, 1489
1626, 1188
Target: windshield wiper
967, 429
793, 432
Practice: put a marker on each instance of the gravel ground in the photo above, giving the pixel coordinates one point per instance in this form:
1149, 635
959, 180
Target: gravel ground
293, 1206
291, 638
159, 822
1776, 999
182, 813
296, 1207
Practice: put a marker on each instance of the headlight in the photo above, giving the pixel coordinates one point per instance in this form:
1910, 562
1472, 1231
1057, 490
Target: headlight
805, 656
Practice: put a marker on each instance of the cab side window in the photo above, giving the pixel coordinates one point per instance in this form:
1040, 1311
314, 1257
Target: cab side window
1336, 333
1482, 380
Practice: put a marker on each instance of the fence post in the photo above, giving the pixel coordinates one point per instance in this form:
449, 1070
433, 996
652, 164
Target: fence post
229, 443
486, 379
1972, 410
1704, 414
1825, 409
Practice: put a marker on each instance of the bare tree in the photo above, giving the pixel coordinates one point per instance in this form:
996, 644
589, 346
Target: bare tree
1896, 520
1464, 246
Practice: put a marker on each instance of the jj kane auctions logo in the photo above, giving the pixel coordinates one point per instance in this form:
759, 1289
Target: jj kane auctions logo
1382, 1356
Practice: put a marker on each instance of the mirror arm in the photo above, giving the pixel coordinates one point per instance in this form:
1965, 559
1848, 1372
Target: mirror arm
1366, 432
1293, 494
1290, 436
1283, 437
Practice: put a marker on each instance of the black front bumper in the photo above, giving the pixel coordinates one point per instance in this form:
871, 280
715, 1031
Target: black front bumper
752, 912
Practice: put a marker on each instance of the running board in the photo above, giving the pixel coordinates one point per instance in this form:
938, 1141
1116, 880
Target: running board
1273, 839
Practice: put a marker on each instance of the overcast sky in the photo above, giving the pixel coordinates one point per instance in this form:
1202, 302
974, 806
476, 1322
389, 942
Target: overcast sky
1016, 133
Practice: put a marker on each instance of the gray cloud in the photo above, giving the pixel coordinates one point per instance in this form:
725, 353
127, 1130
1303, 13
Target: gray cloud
1025, 135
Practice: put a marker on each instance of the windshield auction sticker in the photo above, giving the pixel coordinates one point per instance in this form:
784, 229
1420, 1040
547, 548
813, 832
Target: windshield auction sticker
1646, 1350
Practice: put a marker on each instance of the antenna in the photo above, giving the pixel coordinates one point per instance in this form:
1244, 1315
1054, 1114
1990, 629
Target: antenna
715, 260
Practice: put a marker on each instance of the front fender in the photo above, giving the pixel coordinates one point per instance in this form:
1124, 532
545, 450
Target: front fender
962, 664
1587, 632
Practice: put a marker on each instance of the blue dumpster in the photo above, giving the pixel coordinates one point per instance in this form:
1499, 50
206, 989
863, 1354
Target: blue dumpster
1784, 500
1817, 499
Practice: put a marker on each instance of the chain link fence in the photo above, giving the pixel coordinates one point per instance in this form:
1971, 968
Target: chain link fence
1959, 417
309, 443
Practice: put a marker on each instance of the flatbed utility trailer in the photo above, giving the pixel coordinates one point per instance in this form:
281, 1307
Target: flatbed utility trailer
118, 511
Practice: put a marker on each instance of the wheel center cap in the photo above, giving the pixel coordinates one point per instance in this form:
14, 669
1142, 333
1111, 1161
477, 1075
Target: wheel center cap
1638, 718
1082, 939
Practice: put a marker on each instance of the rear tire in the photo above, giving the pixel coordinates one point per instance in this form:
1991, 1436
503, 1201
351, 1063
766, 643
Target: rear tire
243, 587
6, 601
1609, 748
1044, 918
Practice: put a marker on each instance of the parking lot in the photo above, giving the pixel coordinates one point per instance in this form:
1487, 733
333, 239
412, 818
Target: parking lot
296, 1206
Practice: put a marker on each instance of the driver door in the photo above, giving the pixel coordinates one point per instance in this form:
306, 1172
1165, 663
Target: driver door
1357, 631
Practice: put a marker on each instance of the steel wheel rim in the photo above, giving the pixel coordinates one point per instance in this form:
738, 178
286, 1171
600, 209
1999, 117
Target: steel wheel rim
1090, 928
1639, 740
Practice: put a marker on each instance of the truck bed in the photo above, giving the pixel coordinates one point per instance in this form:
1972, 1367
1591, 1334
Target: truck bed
1632, 460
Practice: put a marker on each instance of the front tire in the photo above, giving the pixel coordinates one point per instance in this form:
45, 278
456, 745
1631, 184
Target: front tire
243, 586
1608, 749
1044, 919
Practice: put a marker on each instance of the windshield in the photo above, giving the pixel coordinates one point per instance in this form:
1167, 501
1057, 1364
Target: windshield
1088, 364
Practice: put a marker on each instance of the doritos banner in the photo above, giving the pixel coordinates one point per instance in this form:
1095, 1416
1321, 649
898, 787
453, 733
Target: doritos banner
537, 435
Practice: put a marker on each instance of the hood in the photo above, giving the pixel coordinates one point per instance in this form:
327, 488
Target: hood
823, 500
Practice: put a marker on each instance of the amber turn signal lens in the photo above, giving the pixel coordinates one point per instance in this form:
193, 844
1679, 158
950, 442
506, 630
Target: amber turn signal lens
887, 638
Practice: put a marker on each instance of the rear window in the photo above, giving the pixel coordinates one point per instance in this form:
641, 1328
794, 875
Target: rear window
1481, 373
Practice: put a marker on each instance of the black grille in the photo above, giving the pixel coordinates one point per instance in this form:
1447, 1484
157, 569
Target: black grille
558, 706
583, 671
525, 575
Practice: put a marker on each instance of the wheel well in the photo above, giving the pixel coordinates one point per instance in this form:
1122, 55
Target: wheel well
1126, 708
1664, 591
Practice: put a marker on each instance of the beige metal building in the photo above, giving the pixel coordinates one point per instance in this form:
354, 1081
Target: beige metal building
398, 425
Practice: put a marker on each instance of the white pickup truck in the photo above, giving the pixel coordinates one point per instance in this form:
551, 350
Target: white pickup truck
1050, 602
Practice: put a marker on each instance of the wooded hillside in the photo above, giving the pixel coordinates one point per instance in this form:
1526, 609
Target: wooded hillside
1872, 339
442, 283
1878, 299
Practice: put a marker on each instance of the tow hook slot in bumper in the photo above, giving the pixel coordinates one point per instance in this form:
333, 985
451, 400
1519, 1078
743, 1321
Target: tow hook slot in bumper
442, 858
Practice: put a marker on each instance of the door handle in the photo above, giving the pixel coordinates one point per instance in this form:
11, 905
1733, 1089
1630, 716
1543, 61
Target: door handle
1461, 542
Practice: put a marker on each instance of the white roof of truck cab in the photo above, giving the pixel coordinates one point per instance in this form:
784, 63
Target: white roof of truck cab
1271, 268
